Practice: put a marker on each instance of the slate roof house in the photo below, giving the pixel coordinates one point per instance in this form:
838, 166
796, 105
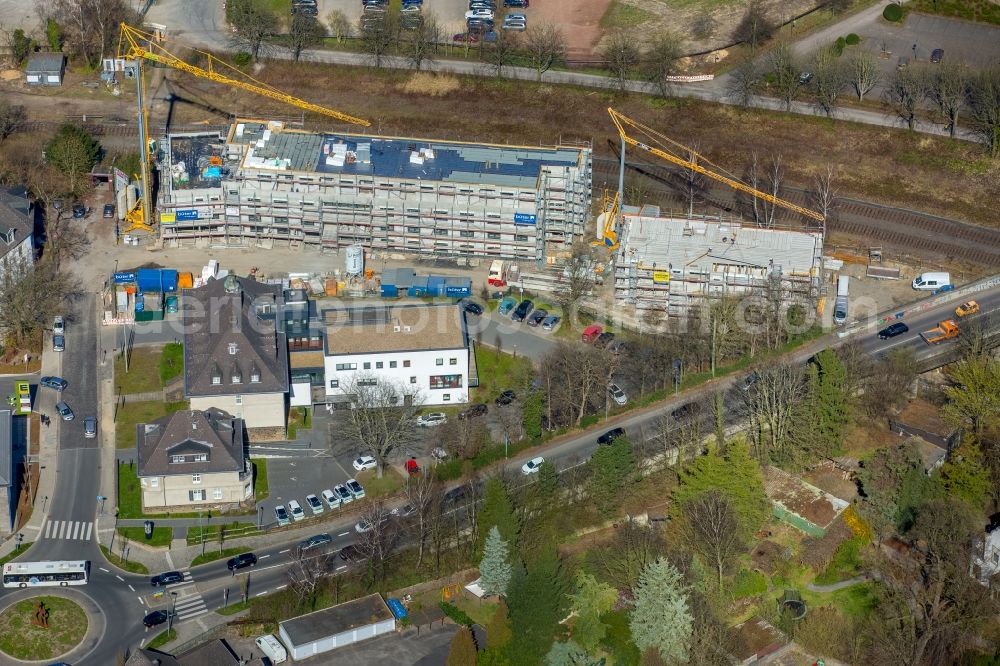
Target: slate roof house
17, 244
235, 358
193, 458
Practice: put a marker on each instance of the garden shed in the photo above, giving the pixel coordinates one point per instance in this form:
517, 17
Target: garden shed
337, 626
45, 69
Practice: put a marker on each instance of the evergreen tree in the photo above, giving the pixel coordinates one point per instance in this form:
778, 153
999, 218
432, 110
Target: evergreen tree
965, 475
537, 601
825, 412
592, 599
463, 649
494, 569
497, 511
493, 657
547, 485
569, 654
661, 618
73, 152
610, 466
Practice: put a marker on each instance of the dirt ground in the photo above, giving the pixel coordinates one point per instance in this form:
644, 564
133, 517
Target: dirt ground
579, 20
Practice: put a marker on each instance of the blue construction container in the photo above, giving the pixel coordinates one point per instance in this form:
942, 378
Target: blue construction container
148, 279
168, 280
418, 287
435, 285
389, 291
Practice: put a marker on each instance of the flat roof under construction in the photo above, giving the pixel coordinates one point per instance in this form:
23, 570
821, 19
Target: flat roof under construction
679, 243
389, 157
197, 161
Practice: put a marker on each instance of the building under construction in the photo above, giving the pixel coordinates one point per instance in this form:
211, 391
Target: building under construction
673, 265
265, 184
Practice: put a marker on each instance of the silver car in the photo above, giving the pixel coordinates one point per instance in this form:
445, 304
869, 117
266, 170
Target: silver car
90, 427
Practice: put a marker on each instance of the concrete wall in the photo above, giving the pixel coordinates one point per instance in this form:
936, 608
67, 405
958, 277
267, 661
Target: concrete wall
258, 410
423, 364
220, 488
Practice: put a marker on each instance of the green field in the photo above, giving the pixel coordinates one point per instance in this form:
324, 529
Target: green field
22, 639
140, 412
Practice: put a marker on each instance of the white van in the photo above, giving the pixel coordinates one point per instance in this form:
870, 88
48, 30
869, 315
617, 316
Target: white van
272, 648
931, 281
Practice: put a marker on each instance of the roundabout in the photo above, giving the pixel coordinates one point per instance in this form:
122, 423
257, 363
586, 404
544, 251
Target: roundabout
42, 627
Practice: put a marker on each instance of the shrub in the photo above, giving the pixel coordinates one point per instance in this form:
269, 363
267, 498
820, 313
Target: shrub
838, 46
457, 615
450, 470
748, 583
853, 40
892, 13
242, 59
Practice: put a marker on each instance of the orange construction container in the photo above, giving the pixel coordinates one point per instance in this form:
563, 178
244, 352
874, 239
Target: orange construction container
331, 287
185, 281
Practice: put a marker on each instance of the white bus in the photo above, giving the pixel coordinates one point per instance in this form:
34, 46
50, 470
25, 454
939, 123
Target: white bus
46, 574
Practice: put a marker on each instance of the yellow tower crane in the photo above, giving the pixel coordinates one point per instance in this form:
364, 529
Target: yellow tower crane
135, 46
623, 123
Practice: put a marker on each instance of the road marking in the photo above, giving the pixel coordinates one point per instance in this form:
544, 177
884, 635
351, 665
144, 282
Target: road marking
143, 643
132, 589
103, 569
139, 598
120, 578
90, 527
263, 557
260, 594
281, 587
48, 529
63, 524
282, 552
77, 530
343, 534
343, 567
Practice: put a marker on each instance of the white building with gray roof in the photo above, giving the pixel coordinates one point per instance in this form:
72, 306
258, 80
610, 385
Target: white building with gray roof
265, 184
672, 265
17, 245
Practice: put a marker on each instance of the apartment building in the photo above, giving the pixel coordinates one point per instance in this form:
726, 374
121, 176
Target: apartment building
17, 244
672, 265
265, 184
421, 350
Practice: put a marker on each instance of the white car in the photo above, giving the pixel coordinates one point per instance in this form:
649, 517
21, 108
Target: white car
296, 510
353, 487
363, 525
314, 504
58, 326
531, 467
363, 463
331, 500
618, 394
479, 14
432, 419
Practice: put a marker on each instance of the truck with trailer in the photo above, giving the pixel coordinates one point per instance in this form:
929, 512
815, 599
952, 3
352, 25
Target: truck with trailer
498, 273
944, 331
840, 305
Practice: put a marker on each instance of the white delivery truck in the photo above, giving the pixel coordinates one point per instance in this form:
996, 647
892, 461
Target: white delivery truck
931, 281
840, 305
272, 648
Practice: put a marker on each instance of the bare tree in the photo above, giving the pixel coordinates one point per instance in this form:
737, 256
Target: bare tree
11, 118
743, 83
676, 441
771, 404
887, 388
511, 419
254, 24
983, 101
545, 47
755, 27
785, 72
305, 33
377, 538
378, 35
661, 59
578, 278
712, 527
30, 295
381, 420
575, 378
91, 26
339, 24
829, 80
946, 88
903, 92
463, 438
500, 52
864, 73
824, 195
694, 181
621, 56
305, 573
422, 493
766, 178
624, 559
421, 42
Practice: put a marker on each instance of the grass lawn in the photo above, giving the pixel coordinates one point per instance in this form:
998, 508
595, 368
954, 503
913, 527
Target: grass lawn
131, 567
233, 609
499, 372
388, 485
211, 556
260, 487
22, 639
161, 535
171, 362
970, 10
855, 601
130, 498
162, 639
233, 530
142, 375
140, 412
620, 15
17, 553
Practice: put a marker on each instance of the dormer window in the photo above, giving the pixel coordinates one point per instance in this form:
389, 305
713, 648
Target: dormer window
237, 378
216, 379
255, 377
201, 457
176, 459
232, 349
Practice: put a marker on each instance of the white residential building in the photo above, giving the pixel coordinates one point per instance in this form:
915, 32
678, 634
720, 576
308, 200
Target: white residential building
986, 557
421, 349
17, 246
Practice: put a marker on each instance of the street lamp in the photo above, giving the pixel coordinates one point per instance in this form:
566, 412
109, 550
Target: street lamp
17, 542
260, 516
201, 526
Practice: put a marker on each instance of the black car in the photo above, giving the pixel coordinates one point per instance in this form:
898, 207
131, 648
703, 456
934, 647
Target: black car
611, 436
937, 55
316, 541
515, 3
456, 495
241, 561
604, 339
473, 307
109, 211
155, 618
537, 317
522, 310
479, 409
166, 578
351, 554
79, 210
57, 383
892, 330
505, 398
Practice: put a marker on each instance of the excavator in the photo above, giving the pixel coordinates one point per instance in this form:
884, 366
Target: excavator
136, 47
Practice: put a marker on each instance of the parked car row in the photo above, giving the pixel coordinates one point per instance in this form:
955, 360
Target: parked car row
342, 493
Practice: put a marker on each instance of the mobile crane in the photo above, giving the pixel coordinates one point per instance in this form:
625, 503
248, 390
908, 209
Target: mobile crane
136, 46
623, 122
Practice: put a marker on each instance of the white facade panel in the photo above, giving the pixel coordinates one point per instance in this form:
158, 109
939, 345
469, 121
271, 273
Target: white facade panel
437, 377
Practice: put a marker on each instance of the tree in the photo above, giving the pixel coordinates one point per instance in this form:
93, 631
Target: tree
767, 178
463, 438
772, 403
830, 77
785, 73
19, 45
498, 629
537, 600
421, 41
965, 475
755, 27
974, 396
864, 73
743, 83
575, 379
592, 600
305, 33
463, 648
53, 34
946, 88
545, 47
578, 278
339, 24
661, 618
903, 92
498, 512
11, 118
893, 484
660, 61
500, 52
494, 569
379, 540
381, 421
983, 101
253, 23
824, 412
73, 152
422, 492
713, 530
378, 36
610, 467
570, 654
305, 573
824, 194
88, 28
621, 56
887, 386
633, 548
30, 295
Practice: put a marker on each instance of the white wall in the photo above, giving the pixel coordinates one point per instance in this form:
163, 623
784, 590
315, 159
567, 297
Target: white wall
422, 365
23, 252
258, 410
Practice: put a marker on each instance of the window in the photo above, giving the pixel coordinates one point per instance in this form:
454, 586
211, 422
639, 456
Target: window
237, 378
378, 365
201, 457
492, 235
196, 478
445, 381
520, 238
238, 400
406, 364
232, 349
217, 493
467, 234
439, 361
196, 495
413, 230
346, 366
255, 377
392, 364
413, 380
452, 361
367, 382
334, 383
446, 397
176, 459
216, 379
440, 232
154, 482
367, 365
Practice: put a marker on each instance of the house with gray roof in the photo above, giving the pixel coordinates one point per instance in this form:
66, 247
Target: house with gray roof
45, 69
235, 357
8, 477
17, 243
193, 458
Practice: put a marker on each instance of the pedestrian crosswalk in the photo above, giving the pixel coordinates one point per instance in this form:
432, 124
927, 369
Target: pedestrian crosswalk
189, 606
76, 530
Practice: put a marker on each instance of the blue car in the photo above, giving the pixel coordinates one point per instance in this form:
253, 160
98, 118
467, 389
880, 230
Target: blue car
506, 305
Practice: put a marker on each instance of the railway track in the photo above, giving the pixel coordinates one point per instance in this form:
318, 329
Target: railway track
895, 229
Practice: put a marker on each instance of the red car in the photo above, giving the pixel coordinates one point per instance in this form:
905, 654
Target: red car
467, 37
